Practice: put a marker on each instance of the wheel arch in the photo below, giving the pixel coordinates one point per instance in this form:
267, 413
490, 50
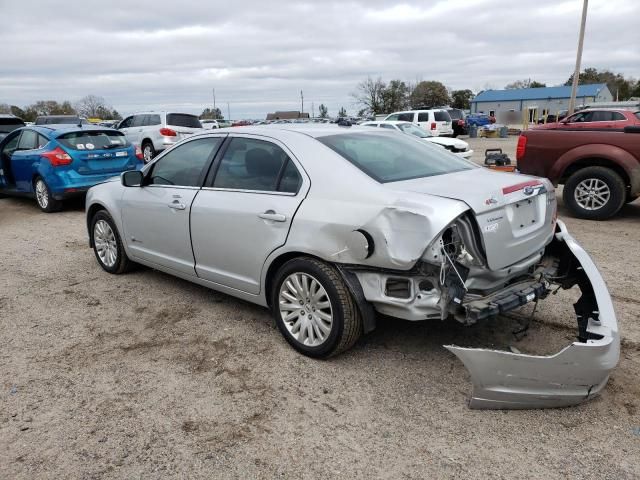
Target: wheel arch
365, 308
595, 162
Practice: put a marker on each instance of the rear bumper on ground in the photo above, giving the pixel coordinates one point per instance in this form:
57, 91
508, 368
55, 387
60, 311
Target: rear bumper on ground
504, 380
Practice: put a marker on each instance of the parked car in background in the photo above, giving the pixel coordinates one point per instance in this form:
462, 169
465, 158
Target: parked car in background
157, 131
459, 147
210, 124
9, 123
391, 225
478, 119
60, 120
55, 162
458, 121
600, 170
594, 119
436, 121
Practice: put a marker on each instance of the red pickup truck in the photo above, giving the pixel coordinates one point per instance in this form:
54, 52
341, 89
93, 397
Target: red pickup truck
600, 170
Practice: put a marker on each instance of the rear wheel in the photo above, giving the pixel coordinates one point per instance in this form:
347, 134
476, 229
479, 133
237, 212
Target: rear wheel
314, 309
148, 152
107, 244
594, 193
45, 199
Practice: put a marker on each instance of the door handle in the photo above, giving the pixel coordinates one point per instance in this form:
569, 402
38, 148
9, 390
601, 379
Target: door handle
176, 205
272, 215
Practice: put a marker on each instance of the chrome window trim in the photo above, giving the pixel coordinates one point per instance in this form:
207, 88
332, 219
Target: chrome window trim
182, 187
261, 192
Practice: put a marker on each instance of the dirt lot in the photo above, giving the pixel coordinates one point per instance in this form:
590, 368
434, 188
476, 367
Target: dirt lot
148, 376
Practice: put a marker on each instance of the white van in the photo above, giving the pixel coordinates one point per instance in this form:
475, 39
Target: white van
437, 121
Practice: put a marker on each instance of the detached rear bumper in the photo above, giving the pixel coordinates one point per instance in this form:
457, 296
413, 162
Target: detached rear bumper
573, 375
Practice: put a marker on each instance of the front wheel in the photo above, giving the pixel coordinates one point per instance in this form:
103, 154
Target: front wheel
107, 244
45, 199
314, 309
594, 193
148, 152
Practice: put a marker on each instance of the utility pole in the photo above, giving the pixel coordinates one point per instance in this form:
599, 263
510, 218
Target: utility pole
214, 101
313, 110
228, 112
576, 73
301, 102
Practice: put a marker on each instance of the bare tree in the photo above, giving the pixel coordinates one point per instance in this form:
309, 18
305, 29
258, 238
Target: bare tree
370, 95
91, 106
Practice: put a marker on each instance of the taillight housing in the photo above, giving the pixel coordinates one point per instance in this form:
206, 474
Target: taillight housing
433, 125
167, 132
58, 157
139, 154
522, 147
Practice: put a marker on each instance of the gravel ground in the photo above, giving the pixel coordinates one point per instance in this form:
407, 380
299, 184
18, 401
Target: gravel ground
148, 376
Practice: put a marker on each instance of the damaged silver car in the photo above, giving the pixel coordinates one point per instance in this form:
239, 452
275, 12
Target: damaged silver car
329, 225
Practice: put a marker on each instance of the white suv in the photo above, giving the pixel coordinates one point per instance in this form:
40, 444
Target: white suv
156, 131
437, 121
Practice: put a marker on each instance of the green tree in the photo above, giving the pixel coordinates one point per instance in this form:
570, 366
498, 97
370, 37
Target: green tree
322, 111
395, 96
461, 99
212, 113
428, 94
342, 112
619, 86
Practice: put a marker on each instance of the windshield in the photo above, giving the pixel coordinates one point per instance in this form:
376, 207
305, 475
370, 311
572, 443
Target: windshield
413, 130
93, 140
388, 157
455, 114
183, 120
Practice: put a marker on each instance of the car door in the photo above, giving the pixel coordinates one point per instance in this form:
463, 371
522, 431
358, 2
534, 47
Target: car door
155, 216
25, 159
125, 127
580, 121
9, 145
245, 211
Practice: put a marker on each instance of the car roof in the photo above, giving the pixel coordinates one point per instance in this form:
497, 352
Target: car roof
315, 130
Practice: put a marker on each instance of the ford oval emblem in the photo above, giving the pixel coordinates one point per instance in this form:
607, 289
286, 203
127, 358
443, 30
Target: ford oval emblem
528, 190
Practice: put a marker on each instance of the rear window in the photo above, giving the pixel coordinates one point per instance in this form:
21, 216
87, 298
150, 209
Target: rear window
391, 158
10, 124
405, 117
441, 116
94, 140
183, 120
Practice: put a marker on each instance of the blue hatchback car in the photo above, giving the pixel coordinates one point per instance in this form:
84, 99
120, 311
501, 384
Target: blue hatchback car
55, 162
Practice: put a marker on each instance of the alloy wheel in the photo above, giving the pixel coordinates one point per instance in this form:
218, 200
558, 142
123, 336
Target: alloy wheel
305, 309
42, 194
147, 153
592, 194
105, 242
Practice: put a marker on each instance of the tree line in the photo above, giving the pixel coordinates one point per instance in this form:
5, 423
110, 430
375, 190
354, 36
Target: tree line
91, 106
376, 96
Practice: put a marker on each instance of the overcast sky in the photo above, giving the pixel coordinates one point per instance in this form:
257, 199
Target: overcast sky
155, 54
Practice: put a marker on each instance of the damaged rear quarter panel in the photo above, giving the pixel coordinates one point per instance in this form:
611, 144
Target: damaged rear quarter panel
576, 373
401, 227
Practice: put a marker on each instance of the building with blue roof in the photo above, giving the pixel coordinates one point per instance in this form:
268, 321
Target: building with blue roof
536, 102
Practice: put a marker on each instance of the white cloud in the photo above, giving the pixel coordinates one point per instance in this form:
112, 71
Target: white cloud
259, 55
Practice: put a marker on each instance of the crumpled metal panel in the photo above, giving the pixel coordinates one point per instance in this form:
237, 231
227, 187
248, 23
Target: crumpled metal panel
503, 380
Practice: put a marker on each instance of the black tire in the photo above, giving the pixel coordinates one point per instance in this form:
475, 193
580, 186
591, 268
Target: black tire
346, 326
122, 263
148, 152
617, 193
44, 198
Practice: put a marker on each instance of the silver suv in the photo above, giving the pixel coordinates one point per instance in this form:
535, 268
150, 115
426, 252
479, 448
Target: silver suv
157, 131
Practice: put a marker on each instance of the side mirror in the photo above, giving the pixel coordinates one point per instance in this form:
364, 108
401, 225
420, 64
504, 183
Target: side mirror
132, 178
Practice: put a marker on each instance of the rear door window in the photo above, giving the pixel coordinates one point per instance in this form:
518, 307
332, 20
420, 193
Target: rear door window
250, 164
601, 116
406, 117
615, 116
185, 164
183, 120
42, 141
423, 117
28, 140
93, 140
152, 120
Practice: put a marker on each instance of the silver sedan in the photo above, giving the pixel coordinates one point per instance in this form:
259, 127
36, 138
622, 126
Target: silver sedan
330, 225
